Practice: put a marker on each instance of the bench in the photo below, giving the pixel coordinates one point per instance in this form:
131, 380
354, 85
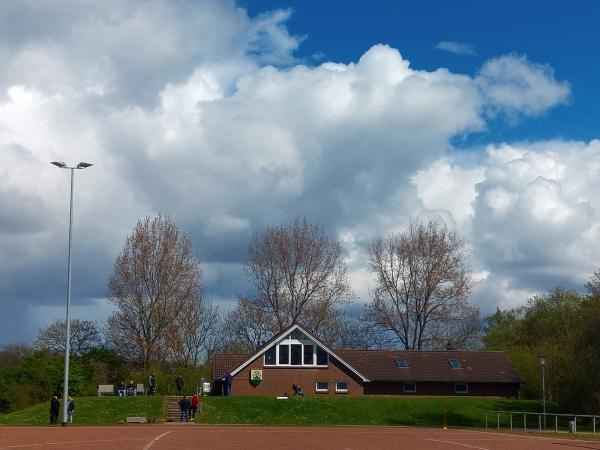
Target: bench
108, 389
136, 419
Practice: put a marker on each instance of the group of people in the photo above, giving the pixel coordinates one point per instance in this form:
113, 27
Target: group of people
130, 389
189, 407
55, 409
123, 390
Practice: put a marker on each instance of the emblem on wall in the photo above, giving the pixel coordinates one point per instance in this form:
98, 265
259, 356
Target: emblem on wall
255, 376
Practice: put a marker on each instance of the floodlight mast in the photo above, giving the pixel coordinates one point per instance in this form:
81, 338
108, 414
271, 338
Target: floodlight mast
62, 165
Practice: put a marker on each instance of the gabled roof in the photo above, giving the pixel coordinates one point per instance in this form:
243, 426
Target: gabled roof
280, 335
226, 362
483, 366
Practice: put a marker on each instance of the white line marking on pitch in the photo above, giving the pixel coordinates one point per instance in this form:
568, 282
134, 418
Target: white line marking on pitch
458, 443
42, 444
543, 438
153, 441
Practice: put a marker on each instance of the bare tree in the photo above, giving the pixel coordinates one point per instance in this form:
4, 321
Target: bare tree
298, 274
423, 287
593, 285
190, 336
246, 327
84, 335
154, 279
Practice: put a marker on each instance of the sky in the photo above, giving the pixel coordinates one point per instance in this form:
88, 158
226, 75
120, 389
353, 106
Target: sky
230, 116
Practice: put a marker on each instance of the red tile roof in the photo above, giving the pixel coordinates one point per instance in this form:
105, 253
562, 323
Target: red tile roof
226, 362
380, 365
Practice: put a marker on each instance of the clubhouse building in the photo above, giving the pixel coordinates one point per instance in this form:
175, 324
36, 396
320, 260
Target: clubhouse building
294, 356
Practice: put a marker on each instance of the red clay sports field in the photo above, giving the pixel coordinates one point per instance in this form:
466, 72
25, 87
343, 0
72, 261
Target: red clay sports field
183, 437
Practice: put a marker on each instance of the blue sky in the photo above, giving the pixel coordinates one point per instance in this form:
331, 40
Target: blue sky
563, 34
231, 116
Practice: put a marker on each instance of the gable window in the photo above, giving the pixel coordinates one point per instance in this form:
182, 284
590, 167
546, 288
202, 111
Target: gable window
409, 387
455, 363
296, 354
308, 355
322, 386
461, 388
296, 349
298, 335
341, 386
271, 356
401, 362
284, 354
321, 357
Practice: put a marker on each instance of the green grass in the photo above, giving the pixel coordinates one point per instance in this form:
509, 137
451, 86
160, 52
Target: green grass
90, 411
421, 411
434, 411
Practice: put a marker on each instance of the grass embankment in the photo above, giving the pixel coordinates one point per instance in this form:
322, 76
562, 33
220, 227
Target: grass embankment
90, 411
434, 411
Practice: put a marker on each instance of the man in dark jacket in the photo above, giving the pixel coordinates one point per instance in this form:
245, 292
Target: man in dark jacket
151, 384
54, 409
228, 380
184, 405
179, 384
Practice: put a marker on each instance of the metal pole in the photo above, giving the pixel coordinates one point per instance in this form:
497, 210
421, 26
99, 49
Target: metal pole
68, 338
544, 389
486, 420
556, 424
511, 426
594, 424
498, 421
540, 422
525, 422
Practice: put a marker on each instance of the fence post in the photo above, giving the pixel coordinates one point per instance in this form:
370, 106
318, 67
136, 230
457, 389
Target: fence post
540, 421
556, 424
511, 421
486, 420
594, 424
525, 422
498, 422
575, 430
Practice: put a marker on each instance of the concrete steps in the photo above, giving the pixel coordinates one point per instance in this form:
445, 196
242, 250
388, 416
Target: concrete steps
172, 411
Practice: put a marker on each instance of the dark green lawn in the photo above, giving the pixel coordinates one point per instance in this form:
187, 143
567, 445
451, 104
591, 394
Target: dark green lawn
434, 411
90, 411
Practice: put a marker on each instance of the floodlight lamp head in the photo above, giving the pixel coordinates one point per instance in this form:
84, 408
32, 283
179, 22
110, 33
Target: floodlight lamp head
84, 165
60, 164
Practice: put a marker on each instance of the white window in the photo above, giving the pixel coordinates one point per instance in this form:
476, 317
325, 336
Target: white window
296, 349
461, 388
322, 386
341, 386
409, 387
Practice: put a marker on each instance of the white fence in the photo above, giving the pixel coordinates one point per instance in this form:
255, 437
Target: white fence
541, 422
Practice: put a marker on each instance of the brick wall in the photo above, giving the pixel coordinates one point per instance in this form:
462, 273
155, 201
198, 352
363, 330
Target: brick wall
279, 380
431, 388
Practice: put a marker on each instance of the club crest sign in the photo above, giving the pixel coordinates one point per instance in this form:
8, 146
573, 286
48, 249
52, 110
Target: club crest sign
255, 376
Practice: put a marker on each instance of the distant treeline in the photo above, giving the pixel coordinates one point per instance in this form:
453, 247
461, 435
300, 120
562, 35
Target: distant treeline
564, 327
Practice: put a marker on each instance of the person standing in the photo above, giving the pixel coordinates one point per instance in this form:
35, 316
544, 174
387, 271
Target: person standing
179, 384
228, 379
195, 405
151, 384
54, 409
70, 409
184, 406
